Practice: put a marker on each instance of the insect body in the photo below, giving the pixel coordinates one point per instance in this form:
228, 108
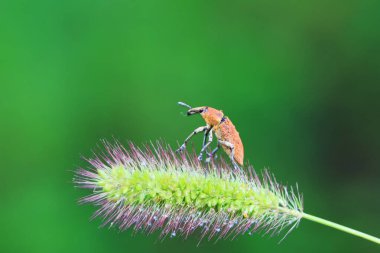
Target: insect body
226, 133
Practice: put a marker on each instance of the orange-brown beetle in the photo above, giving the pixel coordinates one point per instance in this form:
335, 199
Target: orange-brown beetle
226, 133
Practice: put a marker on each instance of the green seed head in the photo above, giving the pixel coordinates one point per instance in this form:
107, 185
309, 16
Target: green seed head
154, 189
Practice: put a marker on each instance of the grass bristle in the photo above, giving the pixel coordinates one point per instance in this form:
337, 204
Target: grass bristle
154, 189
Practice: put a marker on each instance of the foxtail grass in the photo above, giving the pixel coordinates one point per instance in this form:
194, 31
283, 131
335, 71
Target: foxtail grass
154, 189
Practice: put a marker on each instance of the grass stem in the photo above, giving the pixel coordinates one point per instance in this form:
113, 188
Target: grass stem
341, 228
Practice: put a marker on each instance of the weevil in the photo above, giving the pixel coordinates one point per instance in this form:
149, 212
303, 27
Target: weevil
225, 132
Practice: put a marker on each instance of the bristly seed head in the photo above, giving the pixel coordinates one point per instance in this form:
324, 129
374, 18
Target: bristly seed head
153, 189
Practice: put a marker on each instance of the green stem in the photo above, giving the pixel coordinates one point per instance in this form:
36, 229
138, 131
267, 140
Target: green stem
342, 228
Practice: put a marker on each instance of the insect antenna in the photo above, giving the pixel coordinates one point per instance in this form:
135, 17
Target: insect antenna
184, 104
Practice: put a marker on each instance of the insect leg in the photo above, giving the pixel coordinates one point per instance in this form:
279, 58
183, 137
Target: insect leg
232, 154
205, 137
211, 155
197, 130
205, 145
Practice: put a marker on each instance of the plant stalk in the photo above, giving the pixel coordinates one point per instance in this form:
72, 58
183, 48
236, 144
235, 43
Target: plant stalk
341, 228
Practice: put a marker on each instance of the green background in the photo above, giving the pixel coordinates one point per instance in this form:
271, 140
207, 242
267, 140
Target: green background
300, 80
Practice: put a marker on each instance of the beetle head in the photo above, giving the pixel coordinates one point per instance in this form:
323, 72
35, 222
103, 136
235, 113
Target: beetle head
210, 115
195, 110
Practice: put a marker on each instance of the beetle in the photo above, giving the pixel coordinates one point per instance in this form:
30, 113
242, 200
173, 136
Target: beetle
225, 132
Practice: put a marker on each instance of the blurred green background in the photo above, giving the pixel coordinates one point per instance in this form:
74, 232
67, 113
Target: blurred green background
300, 80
